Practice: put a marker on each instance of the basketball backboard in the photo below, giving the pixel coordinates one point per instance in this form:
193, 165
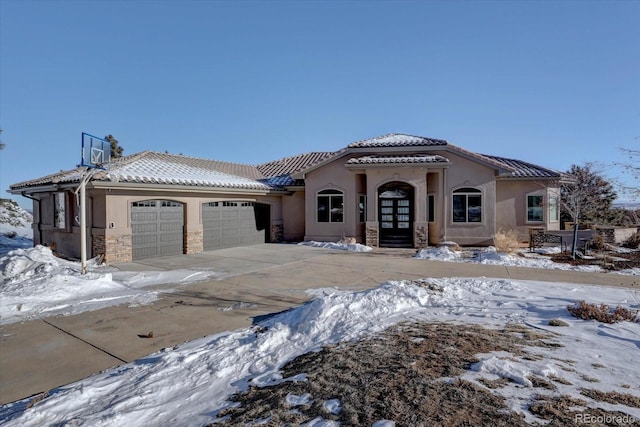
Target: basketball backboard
95, 151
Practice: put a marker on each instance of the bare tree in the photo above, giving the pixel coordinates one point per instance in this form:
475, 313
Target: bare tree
585, 196
632, 168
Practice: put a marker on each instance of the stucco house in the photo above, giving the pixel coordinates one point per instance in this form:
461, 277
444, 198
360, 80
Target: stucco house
395, 190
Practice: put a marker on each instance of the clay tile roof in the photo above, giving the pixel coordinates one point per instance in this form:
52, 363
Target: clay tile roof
160, 168
522, 169
411, 159
150, 167
293, 164
397, 140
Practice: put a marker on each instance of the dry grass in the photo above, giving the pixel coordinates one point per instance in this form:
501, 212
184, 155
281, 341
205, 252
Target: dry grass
410, 374
602, 313
400, 374
612, 397
506, 241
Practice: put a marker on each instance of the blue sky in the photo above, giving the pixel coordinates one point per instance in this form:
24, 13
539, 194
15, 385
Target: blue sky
553, 83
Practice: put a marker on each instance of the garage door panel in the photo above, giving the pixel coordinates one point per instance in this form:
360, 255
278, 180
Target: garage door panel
150, 239
157, 228
143, 216
229, 224
144, 228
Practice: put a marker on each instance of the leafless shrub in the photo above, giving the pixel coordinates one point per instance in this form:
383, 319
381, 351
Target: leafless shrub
506, 241
602, 313
633, 242
598, 243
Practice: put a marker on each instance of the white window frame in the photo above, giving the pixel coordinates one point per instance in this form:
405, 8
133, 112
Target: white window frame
528, 220
330, 194
466, 192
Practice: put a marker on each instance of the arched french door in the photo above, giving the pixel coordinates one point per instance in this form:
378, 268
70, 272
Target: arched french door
395, 214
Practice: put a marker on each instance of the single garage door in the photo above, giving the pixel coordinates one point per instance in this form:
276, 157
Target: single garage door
230, 223
157, 227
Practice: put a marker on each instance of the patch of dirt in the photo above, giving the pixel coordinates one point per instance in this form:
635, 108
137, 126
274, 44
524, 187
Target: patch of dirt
406, 374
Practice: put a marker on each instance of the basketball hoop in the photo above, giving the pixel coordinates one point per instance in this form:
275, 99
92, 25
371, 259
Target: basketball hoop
96, 156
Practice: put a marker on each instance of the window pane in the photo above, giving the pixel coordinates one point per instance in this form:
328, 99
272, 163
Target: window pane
336, 209
459, 208
386, 225
534, 208
59, 218
474, 208
431, 210
323, 209
553, 209
362, 208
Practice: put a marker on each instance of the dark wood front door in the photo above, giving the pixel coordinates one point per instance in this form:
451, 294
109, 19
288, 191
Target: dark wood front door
395, 215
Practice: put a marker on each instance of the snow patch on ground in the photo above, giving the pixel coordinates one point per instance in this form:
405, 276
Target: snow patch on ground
491, 256
353, 247
34, 283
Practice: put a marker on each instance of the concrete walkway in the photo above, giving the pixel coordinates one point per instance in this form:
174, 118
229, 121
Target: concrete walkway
40, 355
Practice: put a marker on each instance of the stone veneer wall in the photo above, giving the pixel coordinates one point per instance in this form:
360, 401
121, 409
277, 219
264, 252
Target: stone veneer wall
193, 242
421, 235
371, 234
114, 248
277, 233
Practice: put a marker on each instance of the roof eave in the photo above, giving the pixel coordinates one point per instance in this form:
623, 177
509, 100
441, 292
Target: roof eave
363, 166
184, 188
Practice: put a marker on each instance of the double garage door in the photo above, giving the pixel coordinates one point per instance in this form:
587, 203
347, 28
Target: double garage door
158, 226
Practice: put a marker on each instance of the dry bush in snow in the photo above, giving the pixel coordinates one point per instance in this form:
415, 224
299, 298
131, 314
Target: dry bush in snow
506, 241
602, 313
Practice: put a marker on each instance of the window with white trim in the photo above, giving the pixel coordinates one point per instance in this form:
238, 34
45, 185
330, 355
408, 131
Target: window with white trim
535, 208
330, 206
467, 205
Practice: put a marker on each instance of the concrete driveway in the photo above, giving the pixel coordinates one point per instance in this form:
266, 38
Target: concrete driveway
254, 282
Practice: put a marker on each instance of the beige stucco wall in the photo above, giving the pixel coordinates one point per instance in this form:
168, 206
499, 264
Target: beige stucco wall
293, 216
65, 241
511, 206
467, 173
503, 202
352, 183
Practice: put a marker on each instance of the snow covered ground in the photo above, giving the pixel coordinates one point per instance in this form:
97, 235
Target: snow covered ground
190, 383
353, 247
489, 255
35, 283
